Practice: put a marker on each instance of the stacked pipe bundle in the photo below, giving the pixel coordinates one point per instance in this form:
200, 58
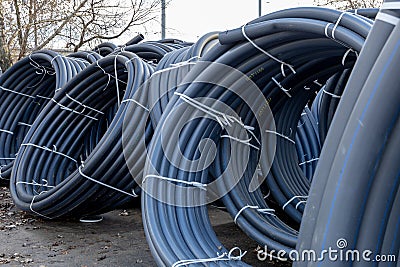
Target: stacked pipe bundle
237, 118
25, 89
71, 162
288, 55
52, 176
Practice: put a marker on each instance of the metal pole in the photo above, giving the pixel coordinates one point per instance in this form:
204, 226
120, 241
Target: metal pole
259, 7
162, 19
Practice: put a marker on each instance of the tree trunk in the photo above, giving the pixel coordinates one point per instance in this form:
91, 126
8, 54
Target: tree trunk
5, 56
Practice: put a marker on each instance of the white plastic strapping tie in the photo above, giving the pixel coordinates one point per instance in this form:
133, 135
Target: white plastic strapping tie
31, 206
83, 105
246, 142
290, 200
326, 30
250, 129
300, 202
337, 24
281, 87
15, 92
43, 97
332, 95
317, 83
136, 102
223, 257
6, 131
195, 184
348, 51
108, 74
54, 58
308, 161
116, 80
173, 67
34, 183
186, 62
7, 158
54, 150
73, 111
1, 177
133, 194
24, 124
268, 54
265, 211
280, 135
301, 124
226, 119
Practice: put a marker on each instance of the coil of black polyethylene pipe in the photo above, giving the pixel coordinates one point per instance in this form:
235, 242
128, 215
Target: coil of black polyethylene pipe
193, 242
376, 40
25, 89
368, 122
70, 184
308, 144
151, 98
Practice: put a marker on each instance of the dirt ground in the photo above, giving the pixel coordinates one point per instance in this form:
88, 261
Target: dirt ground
118, 240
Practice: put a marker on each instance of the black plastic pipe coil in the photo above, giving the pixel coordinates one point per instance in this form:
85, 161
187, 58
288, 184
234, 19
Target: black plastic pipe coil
25, 89
224, 120
303, 37
52, 176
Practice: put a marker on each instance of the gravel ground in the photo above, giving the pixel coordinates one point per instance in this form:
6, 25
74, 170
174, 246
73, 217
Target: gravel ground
118, 240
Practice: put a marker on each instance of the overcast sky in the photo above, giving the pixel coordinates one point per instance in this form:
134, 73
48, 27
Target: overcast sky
190, 19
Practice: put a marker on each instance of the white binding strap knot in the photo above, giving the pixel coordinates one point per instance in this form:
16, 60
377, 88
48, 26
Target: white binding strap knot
73, 111
195, 184
226, 120
292, 199
226, 256
108, 74
133, 194
222, 118
186, 62
34, 183
246, 141
281, 87
268, 54
264, 211
83, 105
